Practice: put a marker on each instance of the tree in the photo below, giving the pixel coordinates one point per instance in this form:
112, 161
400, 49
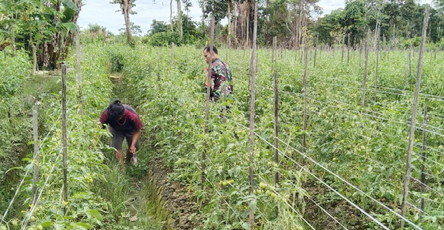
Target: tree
49, 27
157, 27
329, 27
354, 20
135, 29
126, 9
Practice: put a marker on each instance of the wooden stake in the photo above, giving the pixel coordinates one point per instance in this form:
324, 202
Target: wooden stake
64, 140
35, 132
276, 111
342, 49
253, 66
207, 103
364, 80
377, 58
424, 156
172, 54
315, 50
348, 48
304, 140
79, 71
413, 120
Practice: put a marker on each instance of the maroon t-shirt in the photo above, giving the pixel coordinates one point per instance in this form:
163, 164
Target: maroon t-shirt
129, 124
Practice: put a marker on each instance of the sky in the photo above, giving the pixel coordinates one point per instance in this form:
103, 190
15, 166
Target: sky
103, 13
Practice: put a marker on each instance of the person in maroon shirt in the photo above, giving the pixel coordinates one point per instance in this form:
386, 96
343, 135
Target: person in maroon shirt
124, 123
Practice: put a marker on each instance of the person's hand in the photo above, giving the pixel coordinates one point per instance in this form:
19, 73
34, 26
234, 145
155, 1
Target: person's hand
132, 149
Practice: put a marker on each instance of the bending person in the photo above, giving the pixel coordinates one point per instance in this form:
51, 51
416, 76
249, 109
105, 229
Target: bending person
124, 123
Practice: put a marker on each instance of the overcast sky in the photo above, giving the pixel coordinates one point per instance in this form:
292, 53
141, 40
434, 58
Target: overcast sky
103, 13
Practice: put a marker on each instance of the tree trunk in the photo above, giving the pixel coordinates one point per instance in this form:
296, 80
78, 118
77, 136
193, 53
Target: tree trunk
171, 16
52, 52
126, 8
179, 18
229, 24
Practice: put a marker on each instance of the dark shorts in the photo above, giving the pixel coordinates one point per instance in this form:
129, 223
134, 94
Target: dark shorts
118, 137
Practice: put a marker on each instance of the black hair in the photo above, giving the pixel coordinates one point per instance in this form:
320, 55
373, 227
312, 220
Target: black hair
207, 49
115, 110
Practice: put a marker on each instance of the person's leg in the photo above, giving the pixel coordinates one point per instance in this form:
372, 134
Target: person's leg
129, 155
117, 141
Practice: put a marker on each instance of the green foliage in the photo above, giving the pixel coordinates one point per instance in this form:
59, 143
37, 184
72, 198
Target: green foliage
360, 148
116, 60
173, 116
163, 39
158, 27
396, 20
161, 36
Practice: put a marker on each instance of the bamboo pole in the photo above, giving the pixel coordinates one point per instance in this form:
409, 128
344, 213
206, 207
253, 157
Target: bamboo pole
253, 72
207, 103
64, 139
276, 111
35, 132
364, 80
79, 71
315, 50
413, 120
348, 48
377, 57
172, 54
424, 156
304, 128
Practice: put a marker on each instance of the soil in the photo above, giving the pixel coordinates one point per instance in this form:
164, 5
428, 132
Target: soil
180, 203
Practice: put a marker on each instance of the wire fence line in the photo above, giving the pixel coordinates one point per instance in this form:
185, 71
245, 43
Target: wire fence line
381, 116
17, 191
318, 205
29, 214
337, 176
325, 184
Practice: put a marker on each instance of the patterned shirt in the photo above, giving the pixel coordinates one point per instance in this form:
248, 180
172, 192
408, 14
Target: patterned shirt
221, 77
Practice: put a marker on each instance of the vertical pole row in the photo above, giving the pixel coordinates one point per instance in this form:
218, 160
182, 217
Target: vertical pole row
207, 103
253, 73
64, 139
414, 114
276, 112
35, 133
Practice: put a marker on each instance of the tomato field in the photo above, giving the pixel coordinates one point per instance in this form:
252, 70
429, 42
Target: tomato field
354, 154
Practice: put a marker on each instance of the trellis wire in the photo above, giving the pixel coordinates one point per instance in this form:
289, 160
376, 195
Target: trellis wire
28, 216
342, 196
337, 176
18, 187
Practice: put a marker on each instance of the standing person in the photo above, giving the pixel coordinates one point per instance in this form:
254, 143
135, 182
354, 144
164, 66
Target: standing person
220, 84
124, 123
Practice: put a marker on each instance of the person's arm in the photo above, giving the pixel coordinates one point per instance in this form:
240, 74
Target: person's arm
136, 136
103, 119
135, 118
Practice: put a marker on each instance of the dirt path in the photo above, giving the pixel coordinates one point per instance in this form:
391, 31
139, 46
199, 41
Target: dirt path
175, 198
